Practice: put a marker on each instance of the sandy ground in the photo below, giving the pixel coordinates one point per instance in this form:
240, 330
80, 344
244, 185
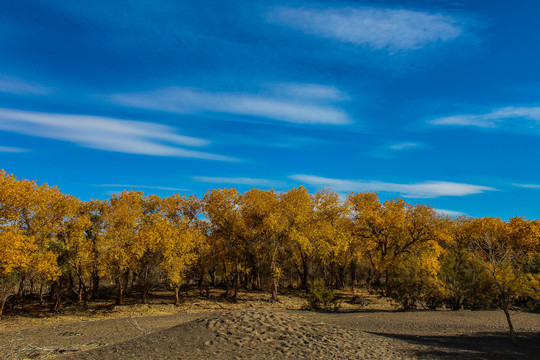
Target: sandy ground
255, 329
281, 334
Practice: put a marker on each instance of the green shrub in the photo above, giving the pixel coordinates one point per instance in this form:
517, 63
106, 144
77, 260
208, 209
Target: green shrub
319, 297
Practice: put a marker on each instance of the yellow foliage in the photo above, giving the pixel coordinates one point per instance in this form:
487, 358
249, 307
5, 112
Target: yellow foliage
15, 251
259, 233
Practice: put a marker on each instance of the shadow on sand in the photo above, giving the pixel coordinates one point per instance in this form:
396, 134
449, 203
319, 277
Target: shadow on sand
474, 346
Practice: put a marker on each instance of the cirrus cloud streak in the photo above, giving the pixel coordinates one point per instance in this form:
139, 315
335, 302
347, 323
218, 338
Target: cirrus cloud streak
451, 213
299, 104
236, 180
105, 133
378, 28
427, 189
512, 118
152, 187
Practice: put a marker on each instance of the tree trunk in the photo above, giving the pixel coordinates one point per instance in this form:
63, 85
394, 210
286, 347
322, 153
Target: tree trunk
341, 277
236, 282
333, 275
305, 273
95, 285
274, 289
353, 277
18, 298
274, 275
200, 283
226, 279
119, 291
226, 286
212, 273
145, 293
258, 280
244, 281
56, 296
386, 283
85, 296
80, 292
510, 326
71, 284
2, 304
41, 293
144, 279
176, 295
126, 281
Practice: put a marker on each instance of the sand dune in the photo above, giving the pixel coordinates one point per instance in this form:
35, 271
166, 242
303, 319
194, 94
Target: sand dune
254, 333
250, 334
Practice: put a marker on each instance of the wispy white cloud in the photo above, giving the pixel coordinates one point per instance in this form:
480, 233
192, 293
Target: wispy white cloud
16, 86
301, 110
404, 146
378, 28
236, 180
508, 118
427, 189
9, 149
528, 186
141, 187
104, 133
315, 92
450, 212
390, 150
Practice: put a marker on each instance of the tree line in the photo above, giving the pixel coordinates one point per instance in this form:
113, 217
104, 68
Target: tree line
56, 247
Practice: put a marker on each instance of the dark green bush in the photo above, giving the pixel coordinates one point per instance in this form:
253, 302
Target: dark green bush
319, 297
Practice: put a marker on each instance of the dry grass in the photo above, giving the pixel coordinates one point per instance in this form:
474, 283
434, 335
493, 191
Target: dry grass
160, 303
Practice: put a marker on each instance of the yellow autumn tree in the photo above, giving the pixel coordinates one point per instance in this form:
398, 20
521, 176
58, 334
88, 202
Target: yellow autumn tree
15, 257
26, 218
331, 234
465, 282
297, 210
502, 249
380, 230
16, 249
220, 207
74, 248
180, 239
416, 257
145, 255
401, 242
122, 217
94, 234
264, 228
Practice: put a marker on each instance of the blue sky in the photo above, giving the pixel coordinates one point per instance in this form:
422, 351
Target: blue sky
433, 101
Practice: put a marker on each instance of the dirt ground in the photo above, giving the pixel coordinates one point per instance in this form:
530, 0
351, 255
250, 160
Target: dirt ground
256, 329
